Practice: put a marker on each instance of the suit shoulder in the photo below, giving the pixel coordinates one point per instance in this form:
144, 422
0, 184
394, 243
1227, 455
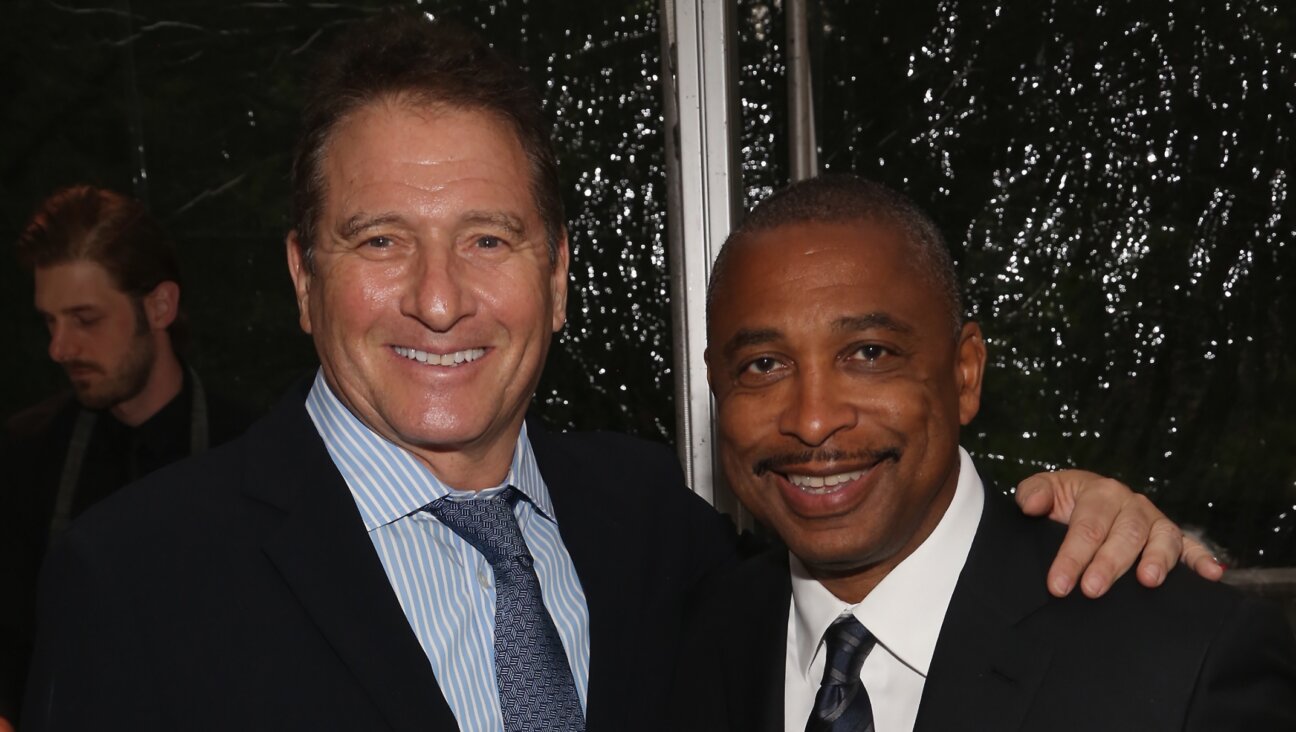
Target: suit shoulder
164, 504
635, 464
1183, 591
228, 418
762, 577
601, 444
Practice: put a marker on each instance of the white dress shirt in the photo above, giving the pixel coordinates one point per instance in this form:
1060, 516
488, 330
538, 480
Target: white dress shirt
904, 612
444, 584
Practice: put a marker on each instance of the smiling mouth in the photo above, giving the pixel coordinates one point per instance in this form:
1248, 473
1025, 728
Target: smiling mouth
819, 484
823, 484
457, 358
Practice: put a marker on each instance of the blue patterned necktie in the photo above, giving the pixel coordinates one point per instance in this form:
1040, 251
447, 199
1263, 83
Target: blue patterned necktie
536, 689
842, 704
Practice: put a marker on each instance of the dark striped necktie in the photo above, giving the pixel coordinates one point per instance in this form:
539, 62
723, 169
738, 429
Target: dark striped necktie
536, 689
842, 704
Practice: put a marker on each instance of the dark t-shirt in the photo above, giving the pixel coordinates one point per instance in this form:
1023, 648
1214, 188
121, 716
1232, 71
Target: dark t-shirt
33, 451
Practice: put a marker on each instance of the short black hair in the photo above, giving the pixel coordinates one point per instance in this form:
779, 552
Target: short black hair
400, 56
843, 199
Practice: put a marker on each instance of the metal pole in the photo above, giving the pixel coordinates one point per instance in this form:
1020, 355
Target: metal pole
703, 204
802, 145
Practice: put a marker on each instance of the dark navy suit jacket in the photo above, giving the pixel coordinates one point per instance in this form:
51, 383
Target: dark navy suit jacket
1190, 655
239, 591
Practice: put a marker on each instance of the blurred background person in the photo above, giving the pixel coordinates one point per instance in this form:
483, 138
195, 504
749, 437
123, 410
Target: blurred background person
108, 287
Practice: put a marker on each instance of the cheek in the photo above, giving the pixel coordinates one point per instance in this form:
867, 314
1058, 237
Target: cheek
743, 420
349, 298
521, 302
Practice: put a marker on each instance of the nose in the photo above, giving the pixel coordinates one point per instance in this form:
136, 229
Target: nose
817, 408
440, 292
62, 346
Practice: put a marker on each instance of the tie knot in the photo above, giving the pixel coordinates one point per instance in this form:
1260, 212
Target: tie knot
847, 644
486, 523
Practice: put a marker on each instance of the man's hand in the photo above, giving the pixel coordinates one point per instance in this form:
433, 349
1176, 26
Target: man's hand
1110, 526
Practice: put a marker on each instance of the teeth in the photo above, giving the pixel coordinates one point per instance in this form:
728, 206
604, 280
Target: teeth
823, 484
437, 359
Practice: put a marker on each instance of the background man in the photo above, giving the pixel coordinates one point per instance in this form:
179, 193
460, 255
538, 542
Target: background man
843, 370
108, 286
394, 547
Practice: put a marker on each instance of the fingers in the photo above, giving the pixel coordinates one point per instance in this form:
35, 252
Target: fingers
1109, 528
1079, 546
1164, 544
1200, 560
1035, 495
1129, 534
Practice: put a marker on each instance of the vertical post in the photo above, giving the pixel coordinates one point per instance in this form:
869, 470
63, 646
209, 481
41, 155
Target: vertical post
703, 202
802, 147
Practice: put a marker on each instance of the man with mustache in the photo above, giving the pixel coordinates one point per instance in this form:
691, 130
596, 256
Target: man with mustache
108, 286
396, 546
907, 595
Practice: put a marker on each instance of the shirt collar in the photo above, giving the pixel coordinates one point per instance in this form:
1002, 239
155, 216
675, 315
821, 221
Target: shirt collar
387, 481
907, 608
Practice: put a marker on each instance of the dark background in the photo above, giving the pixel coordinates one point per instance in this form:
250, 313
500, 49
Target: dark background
1112, 176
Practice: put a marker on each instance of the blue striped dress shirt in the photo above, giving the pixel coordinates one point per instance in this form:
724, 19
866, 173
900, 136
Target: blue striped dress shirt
445, 585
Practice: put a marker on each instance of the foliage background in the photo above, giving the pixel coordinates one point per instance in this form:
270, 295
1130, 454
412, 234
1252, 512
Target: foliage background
1112, 175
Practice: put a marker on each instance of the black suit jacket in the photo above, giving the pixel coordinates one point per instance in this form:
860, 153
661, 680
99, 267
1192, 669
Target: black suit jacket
239, 590
33, 447
1187, 656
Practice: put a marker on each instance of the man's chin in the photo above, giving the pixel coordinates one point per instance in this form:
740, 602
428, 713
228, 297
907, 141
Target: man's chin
93, 400
828, 560
96, 396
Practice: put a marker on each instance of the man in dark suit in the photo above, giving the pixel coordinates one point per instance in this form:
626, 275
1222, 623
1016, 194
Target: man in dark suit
905, 597
395, 547
313, 574
108, 285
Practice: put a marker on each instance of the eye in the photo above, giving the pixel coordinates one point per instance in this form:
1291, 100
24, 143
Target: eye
760, 371
871, 353
378, 242
489, 242
762, 365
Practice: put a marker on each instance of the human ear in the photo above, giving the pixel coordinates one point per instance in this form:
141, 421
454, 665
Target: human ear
162, 305
299, 269
969, 367
558, 282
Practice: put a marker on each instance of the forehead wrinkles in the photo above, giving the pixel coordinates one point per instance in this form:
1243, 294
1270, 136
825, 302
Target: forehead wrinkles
385, 150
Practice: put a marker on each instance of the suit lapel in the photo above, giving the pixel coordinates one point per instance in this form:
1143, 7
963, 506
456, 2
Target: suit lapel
595, 536
759, 643
987, 669
326, 558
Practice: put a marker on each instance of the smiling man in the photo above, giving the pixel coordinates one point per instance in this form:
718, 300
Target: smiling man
395, 547
907, 596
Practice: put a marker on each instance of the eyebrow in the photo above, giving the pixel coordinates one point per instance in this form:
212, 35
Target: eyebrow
746, 337
363, 221
506, 221
73, 310
870, 321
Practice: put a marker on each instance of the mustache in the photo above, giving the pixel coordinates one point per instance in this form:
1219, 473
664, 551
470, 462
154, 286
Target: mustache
775, 462
70, 366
